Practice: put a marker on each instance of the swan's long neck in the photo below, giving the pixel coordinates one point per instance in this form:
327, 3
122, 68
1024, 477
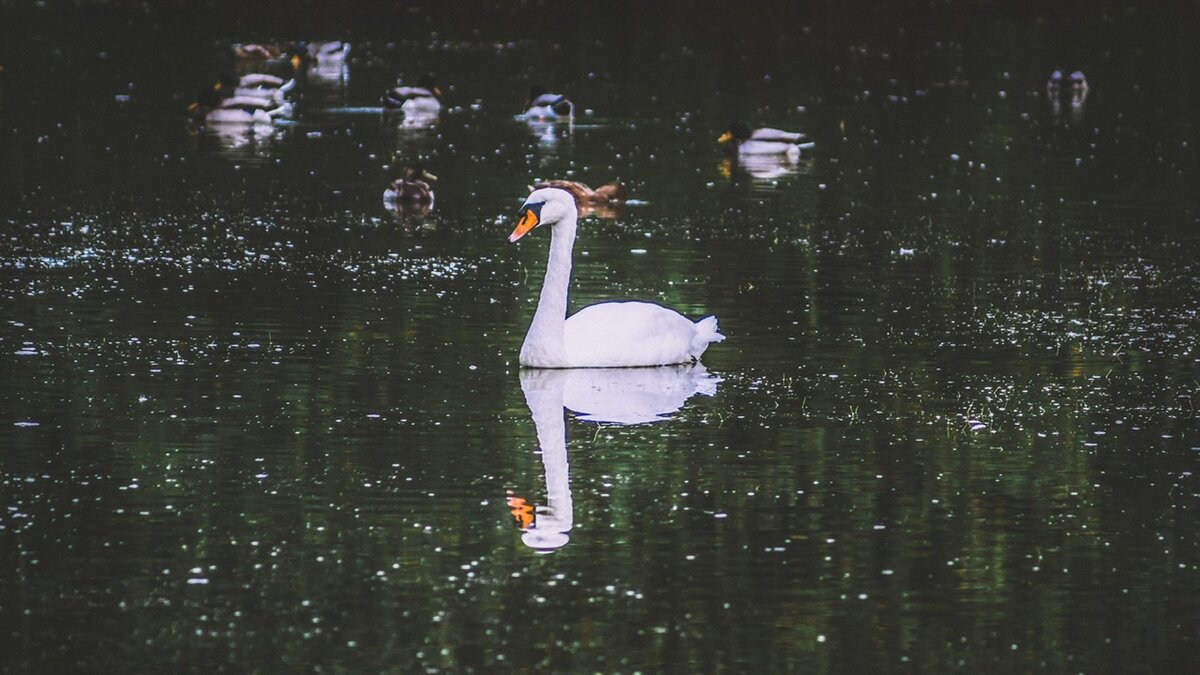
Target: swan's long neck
544, 343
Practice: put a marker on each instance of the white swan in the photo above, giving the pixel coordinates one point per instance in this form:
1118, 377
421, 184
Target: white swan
604, 335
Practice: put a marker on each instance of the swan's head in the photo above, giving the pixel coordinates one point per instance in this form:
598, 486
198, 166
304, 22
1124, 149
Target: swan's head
544, 206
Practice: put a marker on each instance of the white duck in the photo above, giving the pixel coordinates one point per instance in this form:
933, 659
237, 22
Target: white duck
543, 105
607, 334
765, 141
425, 99
254, 85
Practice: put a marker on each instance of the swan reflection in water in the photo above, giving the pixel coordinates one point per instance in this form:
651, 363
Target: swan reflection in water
622, 396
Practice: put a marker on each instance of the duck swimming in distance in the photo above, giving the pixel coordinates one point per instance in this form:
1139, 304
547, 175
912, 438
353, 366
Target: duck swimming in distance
543, 105
413, 189
740, 138
210, 108
294, 57
603, 335
425, 99
600, 202
259, 85
327, 53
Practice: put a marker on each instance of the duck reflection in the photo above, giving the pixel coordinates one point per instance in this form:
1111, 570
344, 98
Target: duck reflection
1073, 88
549, 135
761, 168
252, 139
623, 396
327, 62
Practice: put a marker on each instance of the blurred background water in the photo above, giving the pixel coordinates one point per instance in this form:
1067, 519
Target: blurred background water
252, 420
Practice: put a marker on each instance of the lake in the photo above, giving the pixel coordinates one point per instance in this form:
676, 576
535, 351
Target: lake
253, 420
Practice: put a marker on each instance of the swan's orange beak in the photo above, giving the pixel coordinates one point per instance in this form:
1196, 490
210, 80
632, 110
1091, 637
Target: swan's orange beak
725, 137
529, 220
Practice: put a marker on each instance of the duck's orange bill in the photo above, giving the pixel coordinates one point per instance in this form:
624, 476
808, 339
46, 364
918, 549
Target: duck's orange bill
725, 137
529, 220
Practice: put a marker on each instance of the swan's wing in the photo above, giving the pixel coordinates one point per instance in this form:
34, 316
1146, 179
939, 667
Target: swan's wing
777, 135
621, 334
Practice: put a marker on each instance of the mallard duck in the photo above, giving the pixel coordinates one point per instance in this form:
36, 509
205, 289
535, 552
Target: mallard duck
294, 57
543, 105
599, 202
745, 141
1077, 80
254, 85
607, 334
412, 189
423, 99
257, 52
328, 52
210, 108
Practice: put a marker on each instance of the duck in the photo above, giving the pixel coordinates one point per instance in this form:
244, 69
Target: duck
423, 99
1079, 84
1077, 81
210, 108
256, 52
626, 334
327, 53
543, 105
412, 189
763, 141
255, 85
600, 202
294, 57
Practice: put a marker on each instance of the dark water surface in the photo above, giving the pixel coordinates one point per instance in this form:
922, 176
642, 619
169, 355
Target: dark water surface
251, 420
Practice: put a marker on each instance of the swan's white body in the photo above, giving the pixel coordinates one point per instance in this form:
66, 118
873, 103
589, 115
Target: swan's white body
604, 335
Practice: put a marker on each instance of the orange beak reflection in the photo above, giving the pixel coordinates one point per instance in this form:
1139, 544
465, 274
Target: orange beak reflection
522, 511
725, 137
529, 220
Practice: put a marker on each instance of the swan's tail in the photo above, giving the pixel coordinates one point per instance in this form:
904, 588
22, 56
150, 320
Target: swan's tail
706, 332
